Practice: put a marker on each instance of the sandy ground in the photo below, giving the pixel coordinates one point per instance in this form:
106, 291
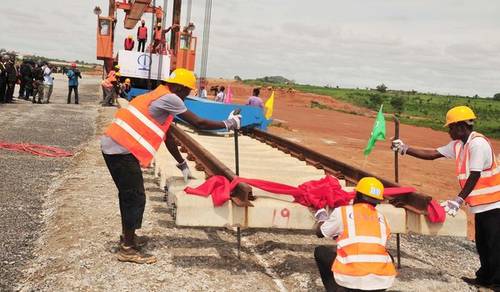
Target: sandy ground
25, 178
75, 238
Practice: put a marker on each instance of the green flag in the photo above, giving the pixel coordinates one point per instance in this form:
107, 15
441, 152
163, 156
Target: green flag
378, 132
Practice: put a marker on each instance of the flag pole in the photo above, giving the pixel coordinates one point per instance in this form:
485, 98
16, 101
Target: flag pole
396, 178
396, 136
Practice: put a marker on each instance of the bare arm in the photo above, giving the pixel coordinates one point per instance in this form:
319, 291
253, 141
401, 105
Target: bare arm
201, 123
470, 184
427, 154
172, 147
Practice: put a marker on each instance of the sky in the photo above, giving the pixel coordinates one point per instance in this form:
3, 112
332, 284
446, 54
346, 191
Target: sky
445, 46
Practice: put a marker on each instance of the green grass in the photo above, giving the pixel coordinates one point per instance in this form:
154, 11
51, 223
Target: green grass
420, 109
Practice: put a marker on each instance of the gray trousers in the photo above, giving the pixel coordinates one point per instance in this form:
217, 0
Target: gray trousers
47, 92
109, 95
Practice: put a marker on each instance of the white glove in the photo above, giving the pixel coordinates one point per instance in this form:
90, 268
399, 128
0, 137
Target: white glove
321, 215
233, 121
452, 206
186, 173
399, 146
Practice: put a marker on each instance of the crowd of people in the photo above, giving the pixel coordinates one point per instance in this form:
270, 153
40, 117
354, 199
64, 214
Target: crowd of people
35, 80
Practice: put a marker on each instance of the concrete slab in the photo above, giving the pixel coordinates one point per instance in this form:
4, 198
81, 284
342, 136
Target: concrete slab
453, 226
396, 217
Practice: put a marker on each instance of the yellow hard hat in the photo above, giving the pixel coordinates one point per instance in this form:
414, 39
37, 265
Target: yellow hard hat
117, 66
183, 77
371, 187
130, 36
127, 81
118, 74
459, 114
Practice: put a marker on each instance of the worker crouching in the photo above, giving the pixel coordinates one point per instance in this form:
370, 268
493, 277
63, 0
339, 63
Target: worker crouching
131, 142
361, 261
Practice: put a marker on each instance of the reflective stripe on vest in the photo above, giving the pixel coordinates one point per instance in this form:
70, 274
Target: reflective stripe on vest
143, 33
362, 261
136, 130
487, 188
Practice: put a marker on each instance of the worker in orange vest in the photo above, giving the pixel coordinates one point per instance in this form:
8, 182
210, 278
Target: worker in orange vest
160, 40
108, 88
142, 36
131, 142
478, 174
129, 43
361, 261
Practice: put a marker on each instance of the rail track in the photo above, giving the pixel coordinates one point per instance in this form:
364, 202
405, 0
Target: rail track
242, 195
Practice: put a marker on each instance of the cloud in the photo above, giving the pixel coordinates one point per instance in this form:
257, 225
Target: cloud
447, 46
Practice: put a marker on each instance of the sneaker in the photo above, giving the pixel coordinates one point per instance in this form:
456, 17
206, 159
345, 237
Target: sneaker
130, 254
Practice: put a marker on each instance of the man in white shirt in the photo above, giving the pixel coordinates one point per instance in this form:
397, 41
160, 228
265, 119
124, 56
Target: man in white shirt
48, 82
479, 177
221, 95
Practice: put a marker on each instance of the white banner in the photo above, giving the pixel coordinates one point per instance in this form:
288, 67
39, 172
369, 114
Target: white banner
137, 64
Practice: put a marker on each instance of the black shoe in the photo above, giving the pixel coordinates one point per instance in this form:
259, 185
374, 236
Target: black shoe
474, 281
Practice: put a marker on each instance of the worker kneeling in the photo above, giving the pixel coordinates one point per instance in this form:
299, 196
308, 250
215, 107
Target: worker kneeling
361, 261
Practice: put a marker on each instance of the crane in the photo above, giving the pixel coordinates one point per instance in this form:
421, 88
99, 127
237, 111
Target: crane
182, 53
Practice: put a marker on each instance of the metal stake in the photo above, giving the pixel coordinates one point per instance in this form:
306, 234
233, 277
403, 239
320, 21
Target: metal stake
238, 235
237, 171
396, 178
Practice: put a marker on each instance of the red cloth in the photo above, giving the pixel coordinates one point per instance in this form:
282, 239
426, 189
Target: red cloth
317, 193
435, 212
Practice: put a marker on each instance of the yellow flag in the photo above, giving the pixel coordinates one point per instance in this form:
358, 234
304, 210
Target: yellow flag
269, 105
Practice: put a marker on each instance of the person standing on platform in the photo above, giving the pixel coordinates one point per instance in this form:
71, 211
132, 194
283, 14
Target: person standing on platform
142, 36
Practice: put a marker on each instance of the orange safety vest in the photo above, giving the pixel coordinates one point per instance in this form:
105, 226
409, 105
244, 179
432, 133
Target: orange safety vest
142, 33
108, 82
487, 188
362, 260
129, 44
135, 129
159, 34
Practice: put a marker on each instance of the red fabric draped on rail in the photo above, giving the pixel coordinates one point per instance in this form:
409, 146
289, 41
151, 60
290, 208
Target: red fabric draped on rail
317, 193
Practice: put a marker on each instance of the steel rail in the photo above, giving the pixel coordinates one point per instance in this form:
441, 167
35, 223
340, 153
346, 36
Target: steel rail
415, 202
207, 162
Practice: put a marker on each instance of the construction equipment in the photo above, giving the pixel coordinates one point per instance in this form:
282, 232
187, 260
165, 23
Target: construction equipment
183, 43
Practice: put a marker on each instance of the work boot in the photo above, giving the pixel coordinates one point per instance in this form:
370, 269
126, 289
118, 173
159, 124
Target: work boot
130, 254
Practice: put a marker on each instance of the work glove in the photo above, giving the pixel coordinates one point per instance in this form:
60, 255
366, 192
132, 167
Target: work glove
321, 215
186, 173
399, 146
233, 121
451, 207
